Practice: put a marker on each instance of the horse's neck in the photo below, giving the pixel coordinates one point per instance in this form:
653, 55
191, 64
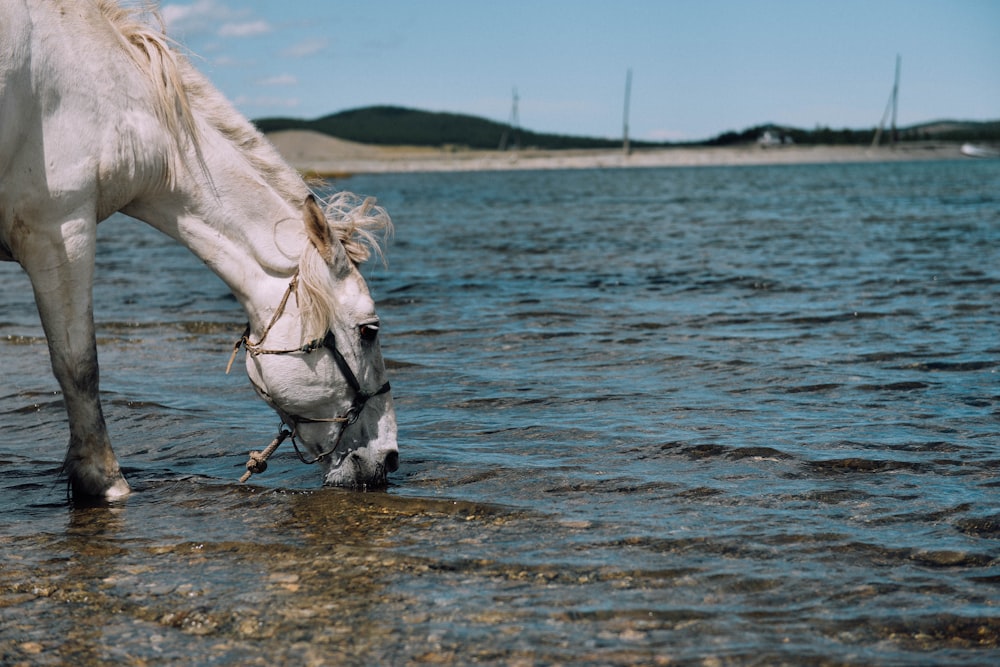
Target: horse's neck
241, 227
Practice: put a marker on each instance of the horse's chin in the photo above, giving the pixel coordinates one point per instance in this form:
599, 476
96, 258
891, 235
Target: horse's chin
354, 472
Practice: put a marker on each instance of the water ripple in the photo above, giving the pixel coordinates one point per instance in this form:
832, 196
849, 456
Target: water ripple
701, 416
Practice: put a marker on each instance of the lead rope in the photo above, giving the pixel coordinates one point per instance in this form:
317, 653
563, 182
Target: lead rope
258, 460
257, 463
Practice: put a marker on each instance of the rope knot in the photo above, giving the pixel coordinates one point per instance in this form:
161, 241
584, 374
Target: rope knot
257, 463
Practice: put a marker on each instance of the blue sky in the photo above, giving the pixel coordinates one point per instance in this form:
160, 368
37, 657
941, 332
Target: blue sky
700, 67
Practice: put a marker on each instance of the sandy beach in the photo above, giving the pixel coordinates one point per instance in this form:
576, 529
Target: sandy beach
322, 155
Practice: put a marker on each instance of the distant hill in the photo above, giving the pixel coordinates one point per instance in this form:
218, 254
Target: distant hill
941, 130
387, 125
390, 125
956, 130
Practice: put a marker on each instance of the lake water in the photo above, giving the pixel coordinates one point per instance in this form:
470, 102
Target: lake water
662, 416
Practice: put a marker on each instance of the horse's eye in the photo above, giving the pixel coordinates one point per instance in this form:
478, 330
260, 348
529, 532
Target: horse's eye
369, 332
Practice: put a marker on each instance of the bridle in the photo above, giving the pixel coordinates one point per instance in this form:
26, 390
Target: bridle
290, 422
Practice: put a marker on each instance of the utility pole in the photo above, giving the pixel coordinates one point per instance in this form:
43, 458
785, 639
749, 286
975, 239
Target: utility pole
895, 102
628, 94
513, 126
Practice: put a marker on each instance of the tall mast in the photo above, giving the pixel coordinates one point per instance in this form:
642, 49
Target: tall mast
889, 108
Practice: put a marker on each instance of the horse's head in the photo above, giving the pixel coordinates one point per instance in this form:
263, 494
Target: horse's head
319, 363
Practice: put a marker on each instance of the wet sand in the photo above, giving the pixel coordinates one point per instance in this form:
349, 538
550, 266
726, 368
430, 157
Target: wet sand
321, 155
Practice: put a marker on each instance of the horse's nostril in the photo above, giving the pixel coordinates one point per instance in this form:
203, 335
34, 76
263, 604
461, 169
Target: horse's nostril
392, 461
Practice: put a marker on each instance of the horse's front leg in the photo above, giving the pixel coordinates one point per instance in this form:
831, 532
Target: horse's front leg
60, 262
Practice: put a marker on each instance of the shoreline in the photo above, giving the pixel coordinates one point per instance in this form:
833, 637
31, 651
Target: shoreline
319, 155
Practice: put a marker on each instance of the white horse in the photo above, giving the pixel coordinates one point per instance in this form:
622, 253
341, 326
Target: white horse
99, 114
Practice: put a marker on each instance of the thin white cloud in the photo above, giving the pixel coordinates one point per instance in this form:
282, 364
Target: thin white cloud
306, 47
198, 16
246, 29
264, 102
230, 61
279, 80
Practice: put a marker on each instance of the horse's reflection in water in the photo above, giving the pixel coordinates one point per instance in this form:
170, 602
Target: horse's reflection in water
100, 115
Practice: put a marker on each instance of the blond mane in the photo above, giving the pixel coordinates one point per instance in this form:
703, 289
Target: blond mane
183, 97
358, 222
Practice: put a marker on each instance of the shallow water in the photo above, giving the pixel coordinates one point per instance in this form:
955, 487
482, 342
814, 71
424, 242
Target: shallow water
713, 415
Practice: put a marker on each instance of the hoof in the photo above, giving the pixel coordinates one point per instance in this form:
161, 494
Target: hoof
119, 489
106, 489
94, 483
92, 469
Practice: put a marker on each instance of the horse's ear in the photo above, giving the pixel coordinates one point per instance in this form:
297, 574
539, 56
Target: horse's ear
318, 229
